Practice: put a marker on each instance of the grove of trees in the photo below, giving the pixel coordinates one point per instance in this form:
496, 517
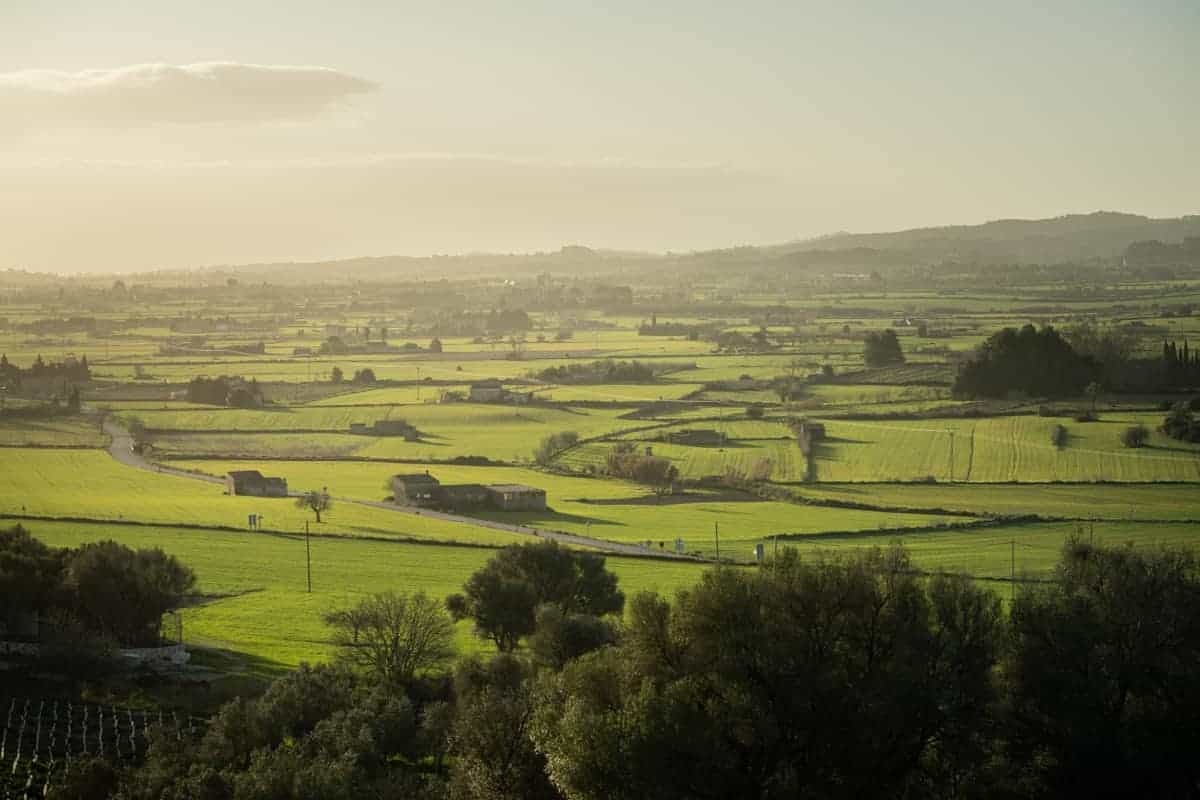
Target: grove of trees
1033, 362
830, 677
100, 589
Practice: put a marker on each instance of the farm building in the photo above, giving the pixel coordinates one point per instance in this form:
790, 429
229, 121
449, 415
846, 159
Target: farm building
463, 496
417, 489
515, 497
425, 491
492, 391
252, 483
386, 427
489, 391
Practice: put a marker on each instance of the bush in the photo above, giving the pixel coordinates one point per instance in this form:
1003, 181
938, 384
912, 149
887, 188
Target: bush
1135, 436
754, 412
1058, 435
1085, 416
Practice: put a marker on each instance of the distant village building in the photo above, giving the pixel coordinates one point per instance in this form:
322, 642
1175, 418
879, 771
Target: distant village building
386, 427
493, 391
252, 483
425, 491
489, 391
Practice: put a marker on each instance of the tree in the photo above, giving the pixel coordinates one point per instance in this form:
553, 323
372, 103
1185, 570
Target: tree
1092, 390
364, 375
1102, 683
315, 501
561, 637
123, 593
393, 637
30, 576
1135, 436
853, 678
336, 375
882, 349
493, 755
503, 597
658, 473
784, 388
435, 345
552, 445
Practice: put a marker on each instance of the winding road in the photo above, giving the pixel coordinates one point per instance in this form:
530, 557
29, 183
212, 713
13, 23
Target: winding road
121, 449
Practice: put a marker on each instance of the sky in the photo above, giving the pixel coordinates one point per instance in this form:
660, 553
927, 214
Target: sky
151, 134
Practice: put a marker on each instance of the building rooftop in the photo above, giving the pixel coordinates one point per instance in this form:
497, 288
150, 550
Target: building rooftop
515, 488
415, 477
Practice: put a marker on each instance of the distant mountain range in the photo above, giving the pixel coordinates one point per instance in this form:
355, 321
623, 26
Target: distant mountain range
1072, 238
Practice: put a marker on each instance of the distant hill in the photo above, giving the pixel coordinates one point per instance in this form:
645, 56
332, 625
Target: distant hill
1075, 237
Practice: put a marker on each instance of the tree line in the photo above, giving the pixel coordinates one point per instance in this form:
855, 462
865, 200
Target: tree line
829, 677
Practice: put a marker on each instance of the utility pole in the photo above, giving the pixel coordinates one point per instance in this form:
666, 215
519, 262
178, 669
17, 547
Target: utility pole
717, 537
307, 557
418, 384
951, 432
1012, 573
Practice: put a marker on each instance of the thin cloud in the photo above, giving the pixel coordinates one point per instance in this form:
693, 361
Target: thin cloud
150, 94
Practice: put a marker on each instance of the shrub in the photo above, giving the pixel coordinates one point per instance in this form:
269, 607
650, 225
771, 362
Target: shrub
754, 412
1135, 436
1058, 435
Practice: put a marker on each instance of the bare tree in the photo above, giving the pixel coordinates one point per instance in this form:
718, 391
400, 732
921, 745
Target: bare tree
394, 636
315, 501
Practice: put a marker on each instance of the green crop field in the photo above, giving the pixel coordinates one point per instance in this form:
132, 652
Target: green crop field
89, 484
1073, 501
1016, 448
257, 582
60, 432
606, 509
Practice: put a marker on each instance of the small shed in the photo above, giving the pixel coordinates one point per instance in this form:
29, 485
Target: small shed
252, 483
815, 431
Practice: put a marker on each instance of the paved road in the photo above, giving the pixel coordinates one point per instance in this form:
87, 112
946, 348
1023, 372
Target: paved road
121, 449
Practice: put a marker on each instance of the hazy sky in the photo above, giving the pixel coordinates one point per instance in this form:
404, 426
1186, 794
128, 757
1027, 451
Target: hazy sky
156, 133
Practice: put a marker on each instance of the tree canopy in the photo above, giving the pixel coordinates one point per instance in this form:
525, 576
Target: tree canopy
1037, 363
503, 597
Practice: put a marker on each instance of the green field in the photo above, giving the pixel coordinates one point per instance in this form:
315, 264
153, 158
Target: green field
59, 432
259, 605
999, 449
89, 484
902, 459
606, 509
1107, 501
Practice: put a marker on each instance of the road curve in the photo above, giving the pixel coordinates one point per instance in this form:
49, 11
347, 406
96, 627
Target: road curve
121, 449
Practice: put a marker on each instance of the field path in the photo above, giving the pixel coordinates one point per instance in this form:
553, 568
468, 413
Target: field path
121, 449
